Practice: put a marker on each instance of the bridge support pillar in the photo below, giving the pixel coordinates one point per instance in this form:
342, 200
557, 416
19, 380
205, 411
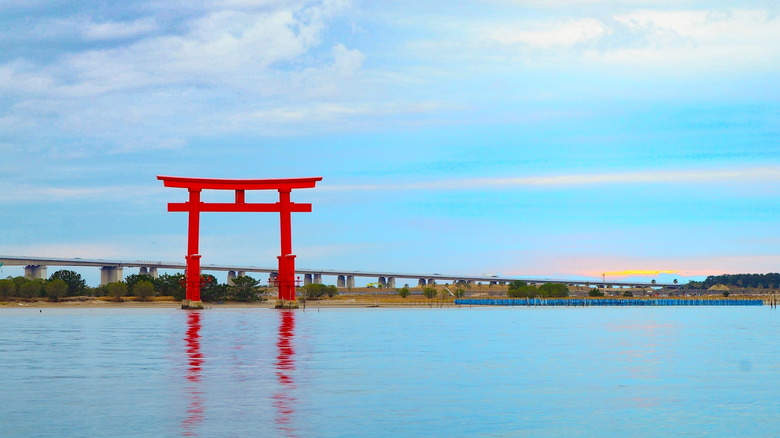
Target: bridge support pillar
153, 272
470, 282
110, 274
391, 282
272, 278
143, 270
431, 282
34, 272
421, 282
230, 277
341, 281
242, 273
350, 281
317, 279
382, 281
307, 279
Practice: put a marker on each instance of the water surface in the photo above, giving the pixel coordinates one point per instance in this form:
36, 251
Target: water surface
690, 371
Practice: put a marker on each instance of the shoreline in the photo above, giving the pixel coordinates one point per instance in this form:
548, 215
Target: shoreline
350, 301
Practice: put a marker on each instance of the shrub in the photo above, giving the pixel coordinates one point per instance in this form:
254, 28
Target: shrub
244, 288
403, 292
30, 289
595, 292
524, 291
7, 288
117, 290
133, 280
56, 289
143, 289
553, 290
317, 291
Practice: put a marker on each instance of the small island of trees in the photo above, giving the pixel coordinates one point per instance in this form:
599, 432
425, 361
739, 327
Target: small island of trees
520, 289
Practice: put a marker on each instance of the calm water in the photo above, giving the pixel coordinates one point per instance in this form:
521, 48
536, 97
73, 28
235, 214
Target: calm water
692, 371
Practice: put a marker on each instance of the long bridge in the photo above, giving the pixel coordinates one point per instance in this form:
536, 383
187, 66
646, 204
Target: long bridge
112, 271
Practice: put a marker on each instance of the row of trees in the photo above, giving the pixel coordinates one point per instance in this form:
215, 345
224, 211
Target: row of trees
66, 283
20, 287
520, 289
244, 288
758, 281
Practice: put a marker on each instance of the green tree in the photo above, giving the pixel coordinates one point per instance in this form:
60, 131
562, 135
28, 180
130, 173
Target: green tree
76, 284
212, 290
459, 292
595, 292
55, 289
7, 288
143, 289
243, 289
403, 292
171, 285
19, 281
628, 294
117, 290
553, 290
517, 284
31, 289
429, 292
132, 280
332, 291
98, 291
523, 291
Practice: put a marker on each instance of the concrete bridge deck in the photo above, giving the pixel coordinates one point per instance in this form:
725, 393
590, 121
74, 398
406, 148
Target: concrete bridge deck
111, 270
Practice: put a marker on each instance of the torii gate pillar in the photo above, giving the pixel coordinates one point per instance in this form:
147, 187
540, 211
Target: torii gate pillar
286, 281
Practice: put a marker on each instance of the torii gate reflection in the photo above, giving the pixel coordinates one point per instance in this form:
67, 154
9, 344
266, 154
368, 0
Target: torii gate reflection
283, 399
286, 279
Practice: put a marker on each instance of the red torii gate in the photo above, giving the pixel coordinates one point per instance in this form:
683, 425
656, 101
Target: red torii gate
286, 278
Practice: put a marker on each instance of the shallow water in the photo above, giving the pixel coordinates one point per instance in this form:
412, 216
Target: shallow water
688, 371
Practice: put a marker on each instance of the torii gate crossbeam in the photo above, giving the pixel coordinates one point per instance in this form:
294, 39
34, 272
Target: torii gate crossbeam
194, 206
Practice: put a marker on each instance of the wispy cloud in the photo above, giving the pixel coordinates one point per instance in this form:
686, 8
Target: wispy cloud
635, 36
111, 30
15, 194
692, 176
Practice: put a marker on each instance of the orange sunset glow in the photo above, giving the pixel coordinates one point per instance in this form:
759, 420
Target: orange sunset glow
633, 272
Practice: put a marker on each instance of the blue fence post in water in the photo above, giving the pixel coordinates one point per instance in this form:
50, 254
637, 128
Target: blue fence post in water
607, 302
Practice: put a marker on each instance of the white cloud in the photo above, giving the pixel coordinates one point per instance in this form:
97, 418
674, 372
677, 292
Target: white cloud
692, 176
19, 193
222, 47
693, 40
111, 30
541, 35
258, 58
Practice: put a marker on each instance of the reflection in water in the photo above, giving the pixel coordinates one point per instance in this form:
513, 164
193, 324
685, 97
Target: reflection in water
194, 364
284, 402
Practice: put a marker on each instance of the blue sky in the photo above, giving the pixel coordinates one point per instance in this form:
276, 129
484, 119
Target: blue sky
534, 138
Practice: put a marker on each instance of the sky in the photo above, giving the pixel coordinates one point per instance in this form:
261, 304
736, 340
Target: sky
544, 139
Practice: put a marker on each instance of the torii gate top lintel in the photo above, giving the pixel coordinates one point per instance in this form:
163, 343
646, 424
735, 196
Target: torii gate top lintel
194, 206
239, 184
